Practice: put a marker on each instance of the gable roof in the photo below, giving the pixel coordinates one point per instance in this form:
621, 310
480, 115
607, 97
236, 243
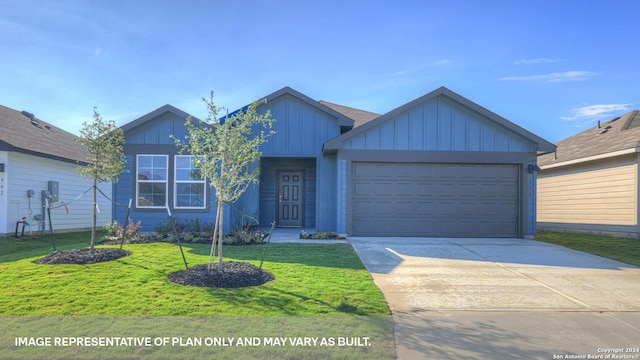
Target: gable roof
343, 119
154, 114
359, 116
543, 145
618, 134
23, 132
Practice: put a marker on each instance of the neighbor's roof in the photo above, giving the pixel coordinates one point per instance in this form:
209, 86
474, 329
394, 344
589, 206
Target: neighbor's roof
359, 116
615, 135
23, 132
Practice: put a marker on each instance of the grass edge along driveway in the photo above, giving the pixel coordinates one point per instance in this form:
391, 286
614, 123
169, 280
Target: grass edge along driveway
619, 249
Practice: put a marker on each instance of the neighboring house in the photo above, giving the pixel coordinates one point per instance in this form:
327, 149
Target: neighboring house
36, 157
590, 184
440, 165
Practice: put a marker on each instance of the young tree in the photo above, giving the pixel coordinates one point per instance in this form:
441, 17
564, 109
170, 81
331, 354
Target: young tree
227, 153
105, 159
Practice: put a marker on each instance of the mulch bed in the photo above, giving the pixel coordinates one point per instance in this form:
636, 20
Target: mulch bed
235, 275
82, 256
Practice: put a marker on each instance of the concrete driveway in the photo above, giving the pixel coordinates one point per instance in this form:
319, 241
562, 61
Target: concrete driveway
504, 299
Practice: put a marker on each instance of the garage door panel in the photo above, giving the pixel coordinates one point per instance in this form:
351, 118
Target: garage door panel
434, 200
363, 189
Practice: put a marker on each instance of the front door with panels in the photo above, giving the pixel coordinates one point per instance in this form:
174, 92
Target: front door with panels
290, 198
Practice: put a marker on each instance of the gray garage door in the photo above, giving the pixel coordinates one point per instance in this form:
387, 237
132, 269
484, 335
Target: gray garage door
448, 200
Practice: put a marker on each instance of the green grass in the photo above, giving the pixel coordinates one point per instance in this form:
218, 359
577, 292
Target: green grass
624, 250
311, 279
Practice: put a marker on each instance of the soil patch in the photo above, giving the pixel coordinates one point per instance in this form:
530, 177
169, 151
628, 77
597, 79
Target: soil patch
82, 256
236, 274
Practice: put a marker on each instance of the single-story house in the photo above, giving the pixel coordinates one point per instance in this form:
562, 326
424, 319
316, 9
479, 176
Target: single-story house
590, 184
38, 158
439, 165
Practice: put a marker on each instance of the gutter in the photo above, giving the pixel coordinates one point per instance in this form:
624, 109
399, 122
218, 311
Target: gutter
591, 158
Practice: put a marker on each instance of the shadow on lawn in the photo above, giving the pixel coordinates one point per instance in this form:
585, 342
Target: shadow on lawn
326, 255
12, 249
285, 302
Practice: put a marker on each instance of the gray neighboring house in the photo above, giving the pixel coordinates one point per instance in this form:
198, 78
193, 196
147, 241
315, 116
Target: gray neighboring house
439, 165
590, 184
36, 156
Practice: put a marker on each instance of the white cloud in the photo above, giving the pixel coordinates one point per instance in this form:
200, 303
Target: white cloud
553, 77
536, 61
590, 113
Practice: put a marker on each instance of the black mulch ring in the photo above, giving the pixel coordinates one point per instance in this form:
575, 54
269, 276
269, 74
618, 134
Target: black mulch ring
235, 275
82, 257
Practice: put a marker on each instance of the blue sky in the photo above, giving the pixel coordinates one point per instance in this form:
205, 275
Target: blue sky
552, 67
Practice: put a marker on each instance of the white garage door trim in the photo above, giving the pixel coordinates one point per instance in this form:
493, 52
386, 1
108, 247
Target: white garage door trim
434, 200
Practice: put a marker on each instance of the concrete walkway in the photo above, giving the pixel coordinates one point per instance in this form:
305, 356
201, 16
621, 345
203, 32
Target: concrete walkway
504, 299
292, 235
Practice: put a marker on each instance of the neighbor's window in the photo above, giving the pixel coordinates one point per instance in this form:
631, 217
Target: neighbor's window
151, 186
190, 189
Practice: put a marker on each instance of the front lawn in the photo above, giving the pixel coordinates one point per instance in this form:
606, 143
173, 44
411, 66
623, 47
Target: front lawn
338, 312
624, 250
311, 279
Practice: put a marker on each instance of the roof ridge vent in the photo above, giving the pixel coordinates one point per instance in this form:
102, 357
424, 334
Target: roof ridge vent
28, 114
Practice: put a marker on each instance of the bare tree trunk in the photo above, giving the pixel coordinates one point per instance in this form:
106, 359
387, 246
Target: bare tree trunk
214, 238
221, 231
95, 216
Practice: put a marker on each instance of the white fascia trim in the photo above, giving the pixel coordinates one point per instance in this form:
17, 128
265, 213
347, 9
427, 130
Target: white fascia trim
592, 158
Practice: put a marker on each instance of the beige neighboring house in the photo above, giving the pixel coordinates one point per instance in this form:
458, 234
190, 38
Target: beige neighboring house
590, 184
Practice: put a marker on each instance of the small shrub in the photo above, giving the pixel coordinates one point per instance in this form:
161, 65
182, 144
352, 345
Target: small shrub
163, 229
116, 232
189, 230
244, 237
193, 225
320, 235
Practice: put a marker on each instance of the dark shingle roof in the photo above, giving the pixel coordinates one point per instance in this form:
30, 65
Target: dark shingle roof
620, 133
22, 133
358, 116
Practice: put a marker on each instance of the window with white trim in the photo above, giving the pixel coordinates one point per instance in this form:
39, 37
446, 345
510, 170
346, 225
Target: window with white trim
152, 177
190, 184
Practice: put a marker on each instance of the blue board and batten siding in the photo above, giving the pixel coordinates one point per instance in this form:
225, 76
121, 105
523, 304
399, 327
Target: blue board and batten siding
440, 131
437, 130
153, 137
301, 129
158, 131
440, 125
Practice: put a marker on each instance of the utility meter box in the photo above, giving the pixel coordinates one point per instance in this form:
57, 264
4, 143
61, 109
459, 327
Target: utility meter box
53, 190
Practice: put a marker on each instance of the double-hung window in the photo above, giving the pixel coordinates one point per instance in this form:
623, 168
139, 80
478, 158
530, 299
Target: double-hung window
190, 189
152, 177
